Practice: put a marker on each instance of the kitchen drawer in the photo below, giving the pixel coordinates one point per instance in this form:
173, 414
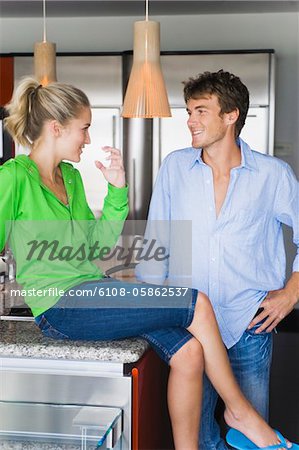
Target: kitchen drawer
60, 426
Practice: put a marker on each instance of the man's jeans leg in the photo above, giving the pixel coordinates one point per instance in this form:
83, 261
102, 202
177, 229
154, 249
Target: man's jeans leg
251, 360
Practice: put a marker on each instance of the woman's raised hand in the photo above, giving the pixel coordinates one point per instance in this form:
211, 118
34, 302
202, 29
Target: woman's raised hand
115, 172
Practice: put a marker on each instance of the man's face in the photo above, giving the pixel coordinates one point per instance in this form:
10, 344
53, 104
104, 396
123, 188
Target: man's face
205, 123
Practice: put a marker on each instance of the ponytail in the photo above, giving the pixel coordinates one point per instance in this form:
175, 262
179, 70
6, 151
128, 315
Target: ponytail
32, 105
19, 111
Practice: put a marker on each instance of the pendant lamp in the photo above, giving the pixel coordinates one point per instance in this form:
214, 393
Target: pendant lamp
146, 95
45, 57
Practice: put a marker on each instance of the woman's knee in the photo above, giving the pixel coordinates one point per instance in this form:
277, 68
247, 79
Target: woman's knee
189, 358
203, 309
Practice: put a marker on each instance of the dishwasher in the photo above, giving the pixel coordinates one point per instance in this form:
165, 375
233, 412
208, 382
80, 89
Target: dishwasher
56, 403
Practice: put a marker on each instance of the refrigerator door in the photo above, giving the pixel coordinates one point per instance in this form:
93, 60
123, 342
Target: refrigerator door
170, 133
255, 131
253, 68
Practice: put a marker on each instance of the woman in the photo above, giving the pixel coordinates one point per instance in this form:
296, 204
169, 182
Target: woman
42, 198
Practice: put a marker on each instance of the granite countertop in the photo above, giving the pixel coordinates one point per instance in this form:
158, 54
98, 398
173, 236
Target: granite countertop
24, 339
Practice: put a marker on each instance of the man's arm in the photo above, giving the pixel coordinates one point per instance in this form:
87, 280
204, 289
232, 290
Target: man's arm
279, 303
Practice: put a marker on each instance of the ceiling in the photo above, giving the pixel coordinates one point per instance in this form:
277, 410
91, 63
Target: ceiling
86, 8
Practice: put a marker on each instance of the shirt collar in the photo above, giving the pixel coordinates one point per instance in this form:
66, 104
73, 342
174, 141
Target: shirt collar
196, 157
67, 169
29, 165
247, 157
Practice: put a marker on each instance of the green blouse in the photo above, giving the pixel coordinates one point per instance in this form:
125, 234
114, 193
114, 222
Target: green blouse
55, 246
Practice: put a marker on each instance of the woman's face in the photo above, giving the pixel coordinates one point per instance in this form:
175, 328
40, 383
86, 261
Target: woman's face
74, 136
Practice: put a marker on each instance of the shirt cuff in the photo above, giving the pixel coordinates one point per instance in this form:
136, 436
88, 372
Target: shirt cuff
296, 264
118, 195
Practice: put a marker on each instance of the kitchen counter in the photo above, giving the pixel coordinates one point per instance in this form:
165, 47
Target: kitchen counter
25, 340
46, 381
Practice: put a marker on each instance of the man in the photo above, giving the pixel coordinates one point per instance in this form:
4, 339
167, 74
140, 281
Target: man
237, 200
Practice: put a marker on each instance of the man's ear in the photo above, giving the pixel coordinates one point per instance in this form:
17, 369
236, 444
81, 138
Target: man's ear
232, 116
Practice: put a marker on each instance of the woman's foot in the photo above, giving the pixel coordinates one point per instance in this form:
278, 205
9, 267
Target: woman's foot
253, 426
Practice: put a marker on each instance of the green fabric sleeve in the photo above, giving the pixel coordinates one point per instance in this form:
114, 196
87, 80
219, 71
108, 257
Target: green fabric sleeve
116, 203
108, 228
7, 183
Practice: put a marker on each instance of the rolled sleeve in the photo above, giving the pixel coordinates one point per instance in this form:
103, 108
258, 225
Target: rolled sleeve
287, 206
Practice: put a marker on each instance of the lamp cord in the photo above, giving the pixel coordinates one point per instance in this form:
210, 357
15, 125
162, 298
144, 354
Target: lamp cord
146, 10
44, 17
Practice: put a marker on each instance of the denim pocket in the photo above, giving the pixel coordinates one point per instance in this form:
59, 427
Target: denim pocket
47, 329
252, 330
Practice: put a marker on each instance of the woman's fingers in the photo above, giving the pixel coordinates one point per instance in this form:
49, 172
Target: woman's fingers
115, 156
114, 173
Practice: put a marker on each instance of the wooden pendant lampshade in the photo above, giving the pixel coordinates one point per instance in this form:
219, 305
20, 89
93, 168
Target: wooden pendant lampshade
45, 62
146, 95
45, 57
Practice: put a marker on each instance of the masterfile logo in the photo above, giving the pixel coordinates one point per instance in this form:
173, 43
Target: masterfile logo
66, 249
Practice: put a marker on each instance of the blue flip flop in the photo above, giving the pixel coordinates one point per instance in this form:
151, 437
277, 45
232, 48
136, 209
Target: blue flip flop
239, 441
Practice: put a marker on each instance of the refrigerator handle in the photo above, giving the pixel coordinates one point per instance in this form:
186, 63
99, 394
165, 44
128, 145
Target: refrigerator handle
113, 131
134, 186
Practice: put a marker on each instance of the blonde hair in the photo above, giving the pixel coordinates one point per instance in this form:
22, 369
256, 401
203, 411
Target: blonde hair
33, 104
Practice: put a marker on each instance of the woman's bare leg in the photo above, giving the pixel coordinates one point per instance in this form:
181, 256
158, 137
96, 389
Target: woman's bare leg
185, 393
239, 413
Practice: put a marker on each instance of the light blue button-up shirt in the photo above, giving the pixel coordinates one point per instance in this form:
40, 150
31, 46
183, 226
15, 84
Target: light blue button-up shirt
238, 256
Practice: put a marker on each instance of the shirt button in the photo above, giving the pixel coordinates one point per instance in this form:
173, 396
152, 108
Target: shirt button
210, 208
70, 181
213, 259
208, 181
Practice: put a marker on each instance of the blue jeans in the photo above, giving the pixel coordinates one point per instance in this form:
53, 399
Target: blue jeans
110, 309
251, 360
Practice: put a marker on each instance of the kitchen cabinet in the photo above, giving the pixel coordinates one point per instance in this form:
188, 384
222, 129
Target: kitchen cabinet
62, 393
6, 88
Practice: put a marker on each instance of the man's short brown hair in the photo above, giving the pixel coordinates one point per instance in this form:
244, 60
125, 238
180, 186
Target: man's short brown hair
231, 92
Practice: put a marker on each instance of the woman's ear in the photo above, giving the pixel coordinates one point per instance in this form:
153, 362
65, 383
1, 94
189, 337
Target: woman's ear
55, 128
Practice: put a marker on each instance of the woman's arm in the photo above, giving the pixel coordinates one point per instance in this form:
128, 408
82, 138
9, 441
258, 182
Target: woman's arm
7, 200
106, 231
